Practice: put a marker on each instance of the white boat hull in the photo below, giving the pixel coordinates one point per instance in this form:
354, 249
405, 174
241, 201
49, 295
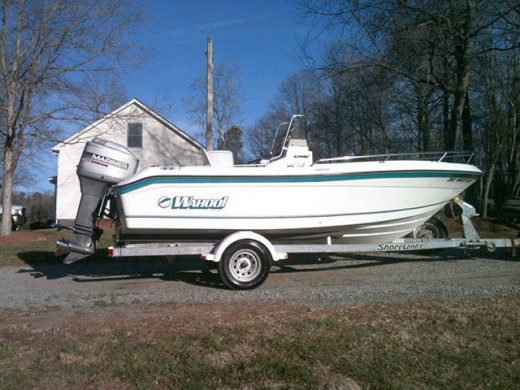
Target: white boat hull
351, 203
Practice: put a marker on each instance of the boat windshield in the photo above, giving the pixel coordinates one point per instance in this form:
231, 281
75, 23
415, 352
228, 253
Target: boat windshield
296, 129
279, 139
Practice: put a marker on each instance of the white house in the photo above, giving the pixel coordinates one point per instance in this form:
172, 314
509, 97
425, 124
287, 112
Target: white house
153, 139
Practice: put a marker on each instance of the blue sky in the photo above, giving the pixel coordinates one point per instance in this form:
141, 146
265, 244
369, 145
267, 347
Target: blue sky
263, 37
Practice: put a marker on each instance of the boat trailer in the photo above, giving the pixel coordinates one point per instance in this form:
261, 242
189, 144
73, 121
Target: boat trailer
244, 258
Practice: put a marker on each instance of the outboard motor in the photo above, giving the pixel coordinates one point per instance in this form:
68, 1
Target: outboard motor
103, 163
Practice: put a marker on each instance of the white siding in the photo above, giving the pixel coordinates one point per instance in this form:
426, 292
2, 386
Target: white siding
161, 146
67, 188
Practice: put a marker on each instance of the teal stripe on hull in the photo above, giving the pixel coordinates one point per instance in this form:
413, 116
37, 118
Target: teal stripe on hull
292, 179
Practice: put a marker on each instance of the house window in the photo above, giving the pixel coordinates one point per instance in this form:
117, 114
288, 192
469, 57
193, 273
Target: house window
135, 135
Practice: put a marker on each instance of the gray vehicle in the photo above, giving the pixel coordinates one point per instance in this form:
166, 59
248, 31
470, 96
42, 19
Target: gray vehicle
18, 215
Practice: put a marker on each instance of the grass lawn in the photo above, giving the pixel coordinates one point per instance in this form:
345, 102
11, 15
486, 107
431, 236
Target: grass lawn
462, 344
38, 246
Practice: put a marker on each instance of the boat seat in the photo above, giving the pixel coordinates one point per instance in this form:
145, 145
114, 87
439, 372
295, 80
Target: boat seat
220, 158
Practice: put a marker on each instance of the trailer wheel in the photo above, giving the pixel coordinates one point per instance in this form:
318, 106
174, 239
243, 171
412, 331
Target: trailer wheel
245, 265
432, 228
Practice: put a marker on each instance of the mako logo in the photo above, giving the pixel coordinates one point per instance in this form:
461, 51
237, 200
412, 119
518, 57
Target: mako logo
190, 202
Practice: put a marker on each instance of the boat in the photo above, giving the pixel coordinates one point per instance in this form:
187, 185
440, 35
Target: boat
286, 197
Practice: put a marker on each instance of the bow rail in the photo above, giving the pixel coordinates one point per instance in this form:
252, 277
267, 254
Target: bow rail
461, 157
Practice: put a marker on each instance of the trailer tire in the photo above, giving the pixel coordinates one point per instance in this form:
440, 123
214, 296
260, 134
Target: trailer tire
431, 229
245, 265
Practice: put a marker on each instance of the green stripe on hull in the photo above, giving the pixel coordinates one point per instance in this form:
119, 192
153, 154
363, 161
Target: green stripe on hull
291, 179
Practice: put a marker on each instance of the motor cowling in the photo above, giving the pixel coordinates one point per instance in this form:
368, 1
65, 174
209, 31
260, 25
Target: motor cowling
106, 161
103, 163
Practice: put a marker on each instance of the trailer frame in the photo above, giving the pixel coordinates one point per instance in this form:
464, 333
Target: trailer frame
245, 253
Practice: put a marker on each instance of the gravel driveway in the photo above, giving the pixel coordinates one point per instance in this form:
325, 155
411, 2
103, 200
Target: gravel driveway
303, 281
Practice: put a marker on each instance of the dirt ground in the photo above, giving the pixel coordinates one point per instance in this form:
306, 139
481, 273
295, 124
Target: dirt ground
486, 227
21, 237
39, 281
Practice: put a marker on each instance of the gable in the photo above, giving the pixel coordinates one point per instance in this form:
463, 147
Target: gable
133, 111
162, 143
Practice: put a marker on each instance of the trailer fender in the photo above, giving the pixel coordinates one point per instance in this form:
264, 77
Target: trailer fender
218, 250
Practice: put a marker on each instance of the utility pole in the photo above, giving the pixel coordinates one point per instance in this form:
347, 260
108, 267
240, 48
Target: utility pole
209, 96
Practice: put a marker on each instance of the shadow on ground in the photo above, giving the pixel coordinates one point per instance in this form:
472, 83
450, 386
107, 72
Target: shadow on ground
98, 268
192, 270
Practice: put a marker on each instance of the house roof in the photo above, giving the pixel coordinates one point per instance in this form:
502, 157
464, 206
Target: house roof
144, 108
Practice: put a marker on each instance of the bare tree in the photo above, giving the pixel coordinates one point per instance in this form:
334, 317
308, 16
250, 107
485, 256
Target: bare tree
227, 96
260, 136
298, 93
47, 50
497, 106
39, 206
455, 84
355, 115
401, 35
